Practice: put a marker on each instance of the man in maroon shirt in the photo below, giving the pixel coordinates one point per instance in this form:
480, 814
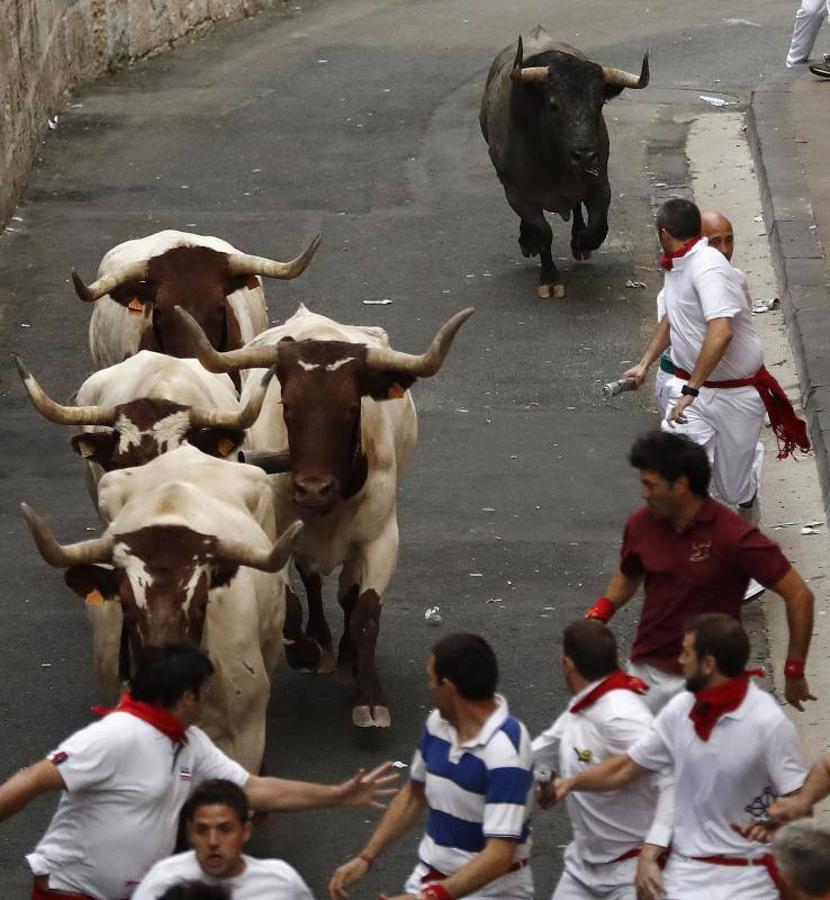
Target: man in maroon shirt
693, 556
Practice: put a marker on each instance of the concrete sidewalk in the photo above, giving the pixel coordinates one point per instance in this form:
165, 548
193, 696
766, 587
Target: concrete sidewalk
789, 130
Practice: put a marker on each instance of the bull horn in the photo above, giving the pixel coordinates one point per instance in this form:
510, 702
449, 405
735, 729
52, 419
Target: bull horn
531, 73
425, 364
55, 412
205, 417
266, 560
627, 79
217, 361
136, 271
243, 264
272, 462
98, 550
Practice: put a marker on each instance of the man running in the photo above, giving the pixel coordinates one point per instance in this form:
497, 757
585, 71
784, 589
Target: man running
125, 779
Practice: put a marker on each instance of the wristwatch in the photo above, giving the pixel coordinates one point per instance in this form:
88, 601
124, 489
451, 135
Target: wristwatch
688, 391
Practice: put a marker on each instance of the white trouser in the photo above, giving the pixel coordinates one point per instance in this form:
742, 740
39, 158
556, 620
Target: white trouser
726, 422
661, 381
583, 881
808, 21
685, 879
662, 686
513, 886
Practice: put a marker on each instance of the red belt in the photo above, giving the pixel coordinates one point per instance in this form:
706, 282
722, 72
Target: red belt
767, 861
633, 853
435, 875
683, 375
42, 891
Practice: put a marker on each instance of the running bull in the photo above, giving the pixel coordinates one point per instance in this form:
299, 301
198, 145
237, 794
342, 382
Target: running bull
188, 554
141, 281
340, 404
541, 116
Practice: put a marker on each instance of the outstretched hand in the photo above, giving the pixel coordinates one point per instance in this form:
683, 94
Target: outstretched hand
369, 788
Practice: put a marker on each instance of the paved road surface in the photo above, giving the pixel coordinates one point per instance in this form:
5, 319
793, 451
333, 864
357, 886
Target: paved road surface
360, 120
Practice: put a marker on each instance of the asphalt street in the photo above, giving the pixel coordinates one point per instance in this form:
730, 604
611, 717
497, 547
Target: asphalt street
360, 120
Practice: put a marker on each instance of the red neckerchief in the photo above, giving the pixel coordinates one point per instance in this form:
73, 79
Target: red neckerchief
616, 681
715, 702
668, 258
161, 719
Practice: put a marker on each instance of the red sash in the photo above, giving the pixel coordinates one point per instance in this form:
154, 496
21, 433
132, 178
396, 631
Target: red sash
161, 719
616, 681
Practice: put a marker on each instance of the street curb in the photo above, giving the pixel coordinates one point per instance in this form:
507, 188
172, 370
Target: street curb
797, 255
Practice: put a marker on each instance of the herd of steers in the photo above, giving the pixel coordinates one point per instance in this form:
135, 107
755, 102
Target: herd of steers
216, 448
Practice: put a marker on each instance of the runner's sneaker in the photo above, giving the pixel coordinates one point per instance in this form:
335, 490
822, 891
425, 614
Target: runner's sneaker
821, 69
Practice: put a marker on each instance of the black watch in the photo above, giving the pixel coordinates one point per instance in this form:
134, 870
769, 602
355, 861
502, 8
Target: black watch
688, 391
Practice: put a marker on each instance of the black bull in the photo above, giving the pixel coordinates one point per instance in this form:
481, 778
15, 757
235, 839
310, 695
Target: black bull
543, 123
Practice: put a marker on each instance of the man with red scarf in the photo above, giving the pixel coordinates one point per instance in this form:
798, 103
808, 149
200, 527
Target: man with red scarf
125, 779
732, 750
720, 388
605, 717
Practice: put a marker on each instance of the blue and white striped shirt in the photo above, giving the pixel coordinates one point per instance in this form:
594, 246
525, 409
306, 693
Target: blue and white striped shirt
476, 790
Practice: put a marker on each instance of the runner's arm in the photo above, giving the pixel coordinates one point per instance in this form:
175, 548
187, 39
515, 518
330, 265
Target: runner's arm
658, 343
718, 337
799, 600
493, 862
609, 775
621, 588
28, 783
284, 795
402, 814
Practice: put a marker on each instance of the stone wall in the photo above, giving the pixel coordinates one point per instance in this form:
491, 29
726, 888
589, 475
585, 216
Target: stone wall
50, 46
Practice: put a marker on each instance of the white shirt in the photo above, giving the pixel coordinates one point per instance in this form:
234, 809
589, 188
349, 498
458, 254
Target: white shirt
701, 286
262, 879
751, 757
607, 825
126, 783
474, 790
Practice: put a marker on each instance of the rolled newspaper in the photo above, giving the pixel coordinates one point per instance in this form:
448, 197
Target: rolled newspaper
614, 388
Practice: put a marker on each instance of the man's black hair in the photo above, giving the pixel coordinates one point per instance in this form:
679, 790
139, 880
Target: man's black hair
216, 792
681, 218
670, 456
196, 890
468, 661
722, 637
591, 647
164, 674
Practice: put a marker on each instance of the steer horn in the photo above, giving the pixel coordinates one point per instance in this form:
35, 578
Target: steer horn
55, 412
627, 79
425, 364
136, 271
267, 560
244, 264
62, 556
531, 73
205, 417
228, 361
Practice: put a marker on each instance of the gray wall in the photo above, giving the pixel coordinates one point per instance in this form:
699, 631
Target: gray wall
49, 46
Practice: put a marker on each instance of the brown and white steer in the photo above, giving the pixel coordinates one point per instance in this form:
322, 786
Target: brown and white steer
189, 554
141, 281
341, 406
149, 404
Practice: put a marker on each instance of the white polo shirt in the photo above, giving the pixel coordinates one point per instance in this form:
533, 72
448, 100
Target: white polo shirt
474, 790
262, 879
607, 825
126, 783
751, 757
701, 286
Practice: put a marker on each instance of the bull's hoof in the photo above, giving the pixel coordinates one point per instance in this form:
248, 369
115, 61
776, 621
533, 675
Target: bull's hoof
552, 290
327, 663
371, 717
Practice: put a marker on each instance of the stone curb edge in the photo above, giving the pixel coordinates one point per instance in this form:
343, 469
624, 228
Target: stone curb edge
798, 258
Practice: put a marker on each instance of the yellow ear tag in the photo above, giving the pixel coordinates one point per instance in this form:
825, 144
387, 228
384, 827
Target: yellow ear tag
225, 446
135, 307
87, 450
94, 598
396, 392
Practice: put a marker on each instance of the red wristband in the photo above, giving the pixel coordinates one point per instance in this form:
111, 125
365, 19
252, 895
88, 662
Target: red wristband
794, 668
366, 858
603, 610
435, 891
